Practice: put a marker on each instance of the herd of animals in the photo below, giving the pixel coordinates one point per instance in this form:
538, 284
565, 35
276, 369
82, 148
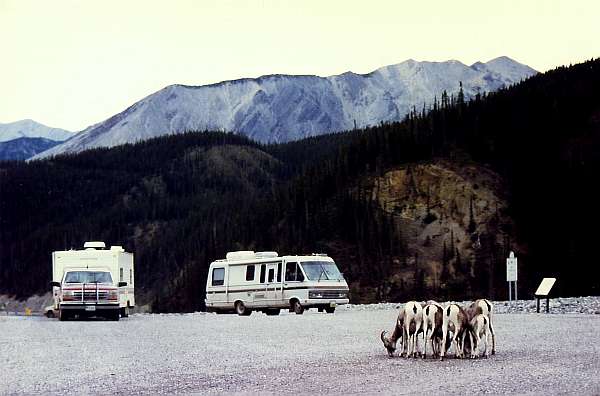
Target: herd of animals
466, 329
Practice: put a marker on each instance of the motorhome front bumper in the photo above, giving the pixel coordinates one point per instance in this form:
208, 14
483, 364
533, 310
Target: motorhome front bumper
330, 302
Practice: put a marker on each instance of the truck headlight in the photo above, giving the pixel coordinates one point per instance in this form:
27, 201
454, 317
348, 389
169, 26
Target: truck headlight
67, 295
315, 294
113, 295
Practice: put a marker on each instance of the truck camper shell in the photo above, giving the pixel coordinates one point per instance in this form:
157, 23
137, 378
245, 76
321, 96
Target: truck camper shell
85, 281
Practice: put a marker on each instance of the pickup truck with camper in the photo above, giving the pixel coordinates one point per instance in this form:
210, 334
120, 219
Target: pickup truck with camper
264, 281
94, 281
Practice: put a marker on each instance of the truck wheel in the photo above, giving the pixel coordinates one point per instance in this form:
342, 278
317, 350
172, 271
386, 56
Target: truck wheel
272, 311
115, 316
62, 315
330, 309
50, 313
297, 307
241, 309
125, 312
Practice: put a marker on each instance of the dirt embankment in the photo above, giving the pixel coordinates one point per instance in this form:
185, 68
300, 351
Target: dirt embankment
34, 304
452, 218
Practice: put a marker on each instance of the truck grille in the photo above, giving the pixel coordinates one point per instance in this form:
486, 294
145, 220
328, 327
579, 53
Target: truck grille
331, 294
91, 295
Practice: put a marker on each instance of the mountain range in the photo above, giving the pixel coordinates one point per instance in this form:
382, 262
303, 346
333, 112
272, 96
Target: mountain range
282, 108
31, 129
23, 139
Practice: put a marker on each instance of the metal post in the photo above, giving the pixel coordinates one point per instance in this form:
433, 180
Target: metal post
510, 291
547, 304
516, 298
538, 304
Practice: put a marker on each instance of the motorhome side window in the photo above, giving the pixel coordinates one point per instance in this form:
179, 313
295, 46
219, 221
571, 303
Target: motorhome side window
293, 273
250, 272
279, 272
271, 274
120, 274
262, 273
218, 276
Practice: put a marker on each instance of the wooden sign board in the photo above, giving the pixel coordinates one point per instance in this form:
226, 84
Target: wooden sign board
545, 286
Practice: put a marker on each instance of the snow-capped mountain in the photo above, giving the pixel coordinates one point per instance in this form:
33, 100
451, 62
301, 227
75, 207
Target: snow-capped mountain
280, 108
31, 129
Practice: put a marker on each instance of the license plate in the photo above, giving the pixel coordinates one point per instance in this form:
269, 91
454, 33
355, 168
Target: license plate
332, 304
90, 308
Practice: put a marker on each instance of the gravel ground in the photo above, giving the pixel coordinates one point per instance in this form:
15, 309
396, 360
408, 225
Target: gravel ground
560, 305
312, 353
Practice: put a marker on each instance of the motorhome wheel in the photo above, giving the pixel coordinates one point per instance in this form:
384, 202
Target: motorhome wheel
241, 309
297, 307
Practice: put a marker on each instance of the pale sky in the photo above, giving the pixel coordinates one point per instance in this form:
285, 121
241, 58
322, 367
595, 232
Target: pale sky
70, 64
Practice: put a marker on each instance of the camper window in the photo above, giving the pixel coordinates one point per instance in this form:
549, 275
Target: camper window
293, 273
120, 274
278, 272
250, 272
262, 273
218, 276
271, 274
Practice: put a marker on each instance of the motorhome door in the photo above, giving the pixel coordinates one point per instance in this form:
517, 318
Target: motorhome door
273, 293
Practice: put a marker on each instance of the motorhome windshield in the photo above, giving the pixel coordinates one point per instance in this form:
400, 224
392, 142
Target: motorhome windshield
321, 270
88, 277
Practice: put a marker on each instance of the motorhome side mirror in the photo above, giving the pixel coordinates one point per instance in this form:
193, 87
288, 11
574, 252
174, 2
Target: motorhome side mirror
55, 284
121, 284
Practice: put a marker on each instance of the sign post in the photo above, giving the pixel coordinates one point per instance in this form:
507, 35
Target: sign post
543, 290
511, 275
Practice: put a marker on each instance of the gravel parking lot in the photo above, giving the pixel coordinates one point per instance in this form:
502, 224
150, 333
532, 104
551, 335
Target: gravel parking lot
307, 354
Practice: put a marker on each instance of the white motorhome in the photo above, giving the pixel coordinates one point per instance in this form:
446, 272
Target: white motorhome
264, 281
93, 282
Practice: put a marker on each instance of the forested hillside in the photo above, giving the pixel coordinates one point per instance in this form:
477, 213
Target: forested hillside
427, 207
25, 147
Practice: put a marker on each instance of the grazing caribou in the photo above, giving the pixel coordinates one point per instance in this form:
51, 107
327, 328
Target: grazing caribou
432, 328
390, 342
480, 326
485, 307
413, 319
455, 319
408, 326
